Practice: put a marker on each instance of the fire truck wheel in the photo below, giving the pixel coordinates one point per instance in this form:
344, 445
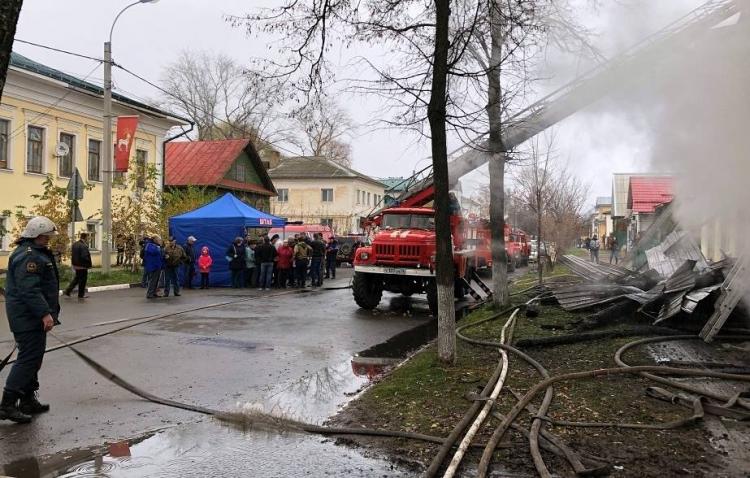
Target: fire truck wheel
367, 290
432, 300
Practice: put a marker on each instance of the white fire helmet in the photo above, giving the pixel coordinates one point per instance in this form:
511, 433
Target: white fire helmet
39, 226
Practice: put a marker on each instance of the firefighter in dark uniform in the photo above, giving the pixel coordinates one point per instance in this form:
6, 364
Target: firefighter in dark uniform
32, 306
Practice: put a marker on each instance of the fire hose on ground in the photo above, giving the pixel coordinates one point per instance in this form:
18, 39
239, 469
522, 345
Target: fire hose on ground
539, 417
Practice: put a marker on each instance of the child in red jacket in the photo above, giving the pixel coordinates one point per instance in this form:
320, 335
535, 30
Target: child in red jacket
204, 266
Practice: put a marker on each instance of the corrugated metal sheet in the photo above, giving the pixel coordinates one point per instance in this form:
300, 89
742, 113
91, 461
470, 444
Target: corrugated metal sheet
594, 272
584, 296
648, 297
683, 278
672, 253
671, 307
692, 298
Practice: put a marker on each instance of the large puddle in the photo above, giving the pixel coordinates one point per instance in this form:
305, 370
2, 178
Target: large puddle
209, 448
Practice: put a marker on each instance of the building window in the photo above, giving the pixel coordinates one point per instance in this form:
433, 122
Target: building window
368, 199
4, 143
283, 195
91, 228
65, 163
95, 160
239, 172
35, 149
141, 158
326, 195
4, 233
326, 221
358, 196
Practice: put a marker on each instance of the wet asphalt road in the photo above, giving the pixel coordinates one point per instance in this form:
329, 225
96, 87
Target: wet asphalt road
283, 350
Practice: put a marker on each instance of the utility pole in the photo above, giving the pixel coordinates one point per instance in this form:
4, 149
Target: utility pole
107, 150
108, 167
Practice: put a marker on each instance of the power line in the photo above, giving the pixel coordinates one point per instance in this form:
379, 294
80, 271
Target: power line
47, 47
22, 127
151, 83
209, 113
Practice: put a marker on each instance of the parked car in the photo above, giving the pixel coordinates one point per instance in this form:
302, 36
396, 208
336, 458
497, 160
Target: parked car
533, 256
348, 243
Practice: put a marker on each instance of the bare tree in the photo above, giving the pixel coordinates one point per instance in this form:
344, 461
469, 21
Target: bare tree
535, 189
222, 98
508, 37
9, 13
325, 127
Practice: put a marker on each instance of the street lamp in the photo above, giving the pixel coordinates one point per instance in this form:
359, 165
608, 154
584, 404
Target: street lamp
107, 147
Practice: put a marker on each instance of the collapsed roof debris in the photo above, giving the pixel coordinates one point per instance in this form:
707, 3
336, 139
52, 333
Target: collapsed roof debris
674, 278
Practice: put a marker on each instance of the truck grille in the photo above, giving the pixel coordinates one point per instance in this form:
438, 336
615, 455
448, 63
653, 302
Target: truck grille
397, 254
408, 252
385, 250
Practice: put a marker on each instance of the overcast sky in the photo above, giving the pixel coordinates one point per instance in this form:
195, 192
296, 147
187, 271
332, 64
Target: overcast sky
595, 143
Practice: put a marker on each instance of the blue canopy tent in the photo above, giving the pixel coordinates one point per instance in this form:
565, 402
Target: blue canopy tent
216, 225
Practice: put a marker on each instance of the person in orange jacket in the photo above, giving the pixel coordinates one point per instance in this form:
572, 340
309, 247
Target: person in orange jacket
204, 266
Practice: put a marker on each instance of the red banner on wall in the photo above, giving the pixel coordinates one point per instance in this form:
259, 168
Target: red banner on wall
126, 126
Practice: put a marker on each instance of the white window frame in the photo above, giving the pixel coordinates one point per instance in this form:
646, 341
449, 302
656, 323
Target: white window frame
286, 196
358, 197
368, 198
97, 245
44, 149
322, 192
72, 153
9, 144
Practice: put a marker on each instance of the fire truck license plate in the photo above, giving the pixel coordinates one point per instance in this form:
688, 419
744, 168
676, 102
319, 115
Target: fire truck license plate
395, 270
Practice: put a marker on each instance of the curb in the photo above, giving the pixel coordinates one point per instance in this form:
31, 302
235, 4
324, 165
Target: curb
105, 288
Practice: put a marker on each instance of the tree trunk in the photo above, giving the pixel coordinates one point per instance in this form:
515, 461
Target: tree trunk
539, 257
9, 12
436, 112
500, 294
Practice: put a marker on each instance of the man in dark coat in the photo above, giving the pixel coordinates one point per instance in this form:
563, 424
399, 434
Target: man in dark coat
316, 261
235, 256
191, 257
81, 261
32, 306
265, 255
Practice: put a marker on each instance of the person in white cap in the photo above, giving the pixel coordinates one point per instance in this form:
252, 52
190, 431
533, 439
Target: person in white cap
32, 305
191, 257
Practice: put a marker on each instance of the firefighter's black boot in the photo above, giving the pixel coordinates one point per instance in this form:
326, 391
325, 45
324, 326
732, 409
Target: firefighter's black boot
9, 410
30, 405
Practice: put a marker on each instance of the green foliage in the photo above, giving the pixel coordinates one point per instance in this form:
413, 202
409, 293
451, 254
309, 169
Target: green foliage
179, 200
137, 211
53, 203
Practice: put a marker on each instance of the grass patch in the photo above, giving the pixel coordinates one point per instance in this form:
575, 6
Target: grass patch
427, 396
97, 277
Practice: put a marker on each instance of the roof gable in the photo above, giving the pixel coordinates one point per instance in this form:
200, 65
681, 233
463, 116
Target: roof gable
207, 163
309, 167
646, 193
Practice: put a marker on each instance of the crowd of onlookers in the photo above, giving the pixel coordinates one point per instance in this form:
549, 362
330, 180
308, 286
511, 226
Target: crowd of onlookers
263, 263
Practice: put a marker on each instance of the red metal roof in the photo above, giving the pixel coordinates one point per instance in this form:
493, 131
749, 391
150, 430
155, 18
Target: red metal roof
648, 192
205, 163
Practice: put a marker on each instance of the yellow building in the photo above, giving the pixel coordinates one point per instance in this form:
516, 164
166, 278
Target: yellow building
319, 191
41, 108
